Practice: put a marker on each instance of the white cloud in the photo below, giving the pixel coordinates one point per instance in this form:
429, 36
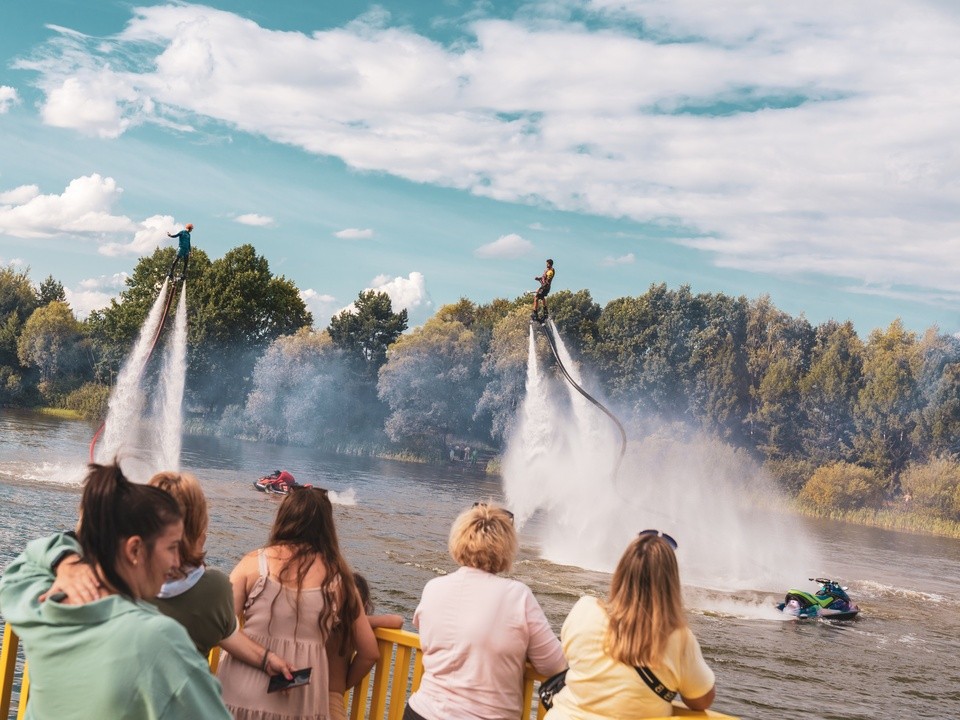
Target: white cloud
812, 137
14, 262
83, 208
8, 98
254, 219
20, 195
148, 236
406, 293
115, 282
321, 305
510, 246
627, 259
354, 234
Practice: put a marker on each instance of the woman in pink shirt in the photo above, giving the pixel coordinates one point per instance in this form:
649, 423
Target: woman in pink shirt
477, 629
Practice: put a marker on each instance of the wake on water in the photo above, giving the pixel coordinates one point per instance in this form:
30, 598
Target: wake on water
715, 501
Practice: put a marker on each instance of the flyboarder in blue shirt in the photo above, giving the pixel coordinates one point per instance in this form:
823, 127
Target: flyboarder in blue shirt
183, 253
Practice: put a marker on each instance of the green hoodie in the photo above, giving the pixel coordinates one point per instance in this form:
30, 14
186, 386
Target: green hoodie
112, 658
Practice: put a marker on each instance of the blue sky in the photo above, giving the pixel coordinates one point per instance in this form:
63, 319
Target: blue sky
441, 149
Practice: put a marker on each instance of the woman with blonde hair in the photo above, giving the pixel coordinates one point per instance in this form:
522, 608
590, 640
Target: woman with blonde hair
630, 654
477, 629
291, 594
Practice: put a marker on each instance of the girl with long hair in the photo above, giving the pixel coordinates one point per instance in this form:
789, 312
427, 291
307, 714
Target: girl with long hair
291, 594
105, 653
639, 631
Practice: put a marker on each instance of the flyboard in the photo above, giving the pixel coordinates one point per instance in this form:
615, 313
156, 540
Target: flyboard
549, 329
170, 285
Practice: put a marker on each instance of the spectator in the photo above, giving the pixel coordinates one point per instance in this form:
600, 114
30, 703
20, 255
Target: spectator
97, 652
291, 594
477, 630
339, 652
641, 625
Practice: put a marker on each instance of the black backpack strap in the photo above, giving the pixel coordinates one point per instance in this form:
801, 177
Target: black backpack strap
653, 682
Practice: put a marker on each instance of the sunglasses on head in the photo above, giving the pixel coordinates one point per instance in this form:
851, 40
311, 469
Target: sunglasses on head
483, 504
656, 533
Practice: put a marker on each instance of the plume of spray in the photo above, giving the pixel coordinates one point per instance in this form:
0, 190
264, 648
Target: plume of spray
173, 380
147, 442
714, 499
127, 401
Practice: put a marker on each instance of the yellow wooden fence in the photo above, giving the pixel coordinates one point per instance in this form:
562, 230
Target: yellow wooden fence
381, 696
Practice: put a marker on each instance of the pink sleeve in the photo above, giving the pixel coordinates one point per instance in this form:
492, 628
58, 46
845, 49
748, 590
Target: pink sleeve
543, 651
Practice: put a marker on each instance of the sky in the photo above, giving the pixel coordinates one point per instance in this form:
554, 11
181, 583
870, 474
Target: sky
439, 149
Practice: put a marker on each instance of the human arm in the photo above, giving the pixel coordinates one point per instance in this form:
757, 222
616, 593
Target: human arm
368, 652
701, 703
697, 681
77, 580
242, 578
385, 621
543, 648
240, 646
31, 575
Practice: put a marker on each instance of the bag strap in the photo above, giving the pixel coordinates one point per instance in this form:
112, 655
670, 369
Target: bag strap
653, 682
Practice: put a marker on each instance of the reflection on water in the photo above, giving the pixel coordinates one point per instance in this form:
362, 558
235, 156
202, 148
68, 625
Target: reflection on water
897, 661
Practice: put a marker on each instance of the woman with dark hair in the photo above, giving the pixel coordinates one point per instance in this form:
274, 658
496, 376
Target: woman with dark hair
115, 656
632, 653
291, 594
477, 629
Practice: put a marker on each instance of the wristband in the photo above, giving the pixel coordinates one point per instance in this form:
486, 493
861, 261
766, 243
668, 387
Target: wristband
263, 663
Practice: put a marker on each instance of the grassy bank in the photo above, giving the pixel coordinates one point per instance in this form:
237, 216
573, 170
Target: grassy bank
890, 519
62, 413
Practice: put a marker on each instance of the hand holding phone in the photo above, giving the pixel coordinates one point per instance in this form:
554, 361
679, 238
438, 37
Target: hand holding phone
279, 682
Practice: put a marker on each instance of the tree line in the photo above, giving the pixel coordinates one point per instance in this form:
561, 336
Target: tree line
841, 422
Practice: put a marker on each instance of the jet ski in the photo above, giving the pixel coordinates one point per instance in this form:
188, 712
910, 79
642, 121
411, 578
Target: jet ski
830, 602
279, 482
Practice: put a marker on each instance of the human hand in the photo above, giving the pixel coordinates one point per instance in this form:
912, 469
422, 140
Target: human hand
276, 665
77, 581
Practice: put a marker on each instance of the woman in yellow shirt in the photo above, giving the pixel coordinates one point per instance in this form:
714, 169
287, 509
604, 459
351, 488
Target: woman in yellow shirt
640, 627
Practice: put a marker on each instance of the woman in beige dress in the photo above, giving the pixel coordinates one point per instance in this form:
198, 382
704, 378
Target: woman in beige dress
290, 595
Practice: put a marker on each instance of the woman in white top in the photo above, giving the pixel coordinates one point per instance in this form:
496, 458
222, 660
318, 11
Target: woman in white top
640, 625
477, 629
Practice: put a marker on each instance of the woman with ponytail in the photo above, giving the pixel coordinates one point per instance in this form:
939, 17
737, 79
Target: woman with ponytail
291, 594
108, 654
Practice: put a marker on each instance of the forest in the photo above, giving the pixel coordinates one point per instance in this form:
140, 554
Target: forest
844, 424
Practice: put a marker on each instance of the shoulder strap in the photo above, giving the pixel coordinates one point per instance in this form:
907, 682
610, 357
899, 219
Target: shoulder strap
262, 560
653, 682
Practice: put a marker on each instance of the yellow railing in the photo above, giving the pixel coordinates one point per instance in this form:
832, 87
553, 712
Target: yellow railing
380, 696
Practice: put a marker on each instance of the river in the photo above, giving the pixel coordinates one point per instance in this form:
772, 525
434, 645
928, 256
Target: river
898, 660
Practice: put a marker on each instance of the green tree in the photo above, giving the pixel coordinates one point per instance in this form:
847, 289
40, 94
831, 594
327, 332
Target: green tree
241, 309
365, 332
576, 316
719, 387
938, 421
889, 400
17, 301
778, 354
828, 393
52, 341
431, 383
50, 290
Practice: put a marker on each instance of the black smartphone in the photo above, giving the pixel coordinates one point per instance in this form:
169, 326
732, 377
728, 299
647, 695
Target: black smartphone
279, 682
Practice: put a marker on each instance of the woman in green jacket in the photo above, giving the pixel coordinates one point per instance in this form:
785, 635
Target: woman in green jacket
116, 656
